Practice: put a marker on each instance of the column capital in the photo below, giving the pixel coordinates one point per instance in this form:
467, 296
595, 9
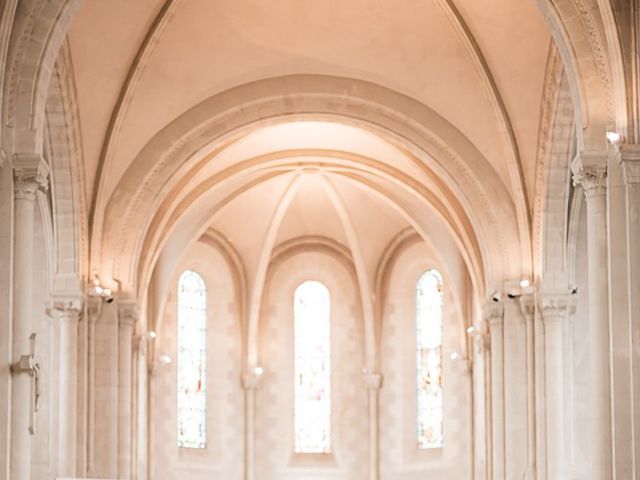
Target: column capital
556, 306
251, 380
629, 158
527, 305
592, 179
372, 380
128, 313
67, 308
493, 312
30, 174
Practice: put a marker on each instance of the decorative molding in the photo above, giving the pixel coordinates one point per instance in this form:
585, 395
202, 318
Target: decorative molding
629, 158
30, 173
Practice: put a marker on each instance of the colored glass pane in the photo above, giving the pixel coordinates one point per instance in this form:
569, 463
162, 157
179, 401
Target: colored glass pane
192, 355
429, 360
312, 414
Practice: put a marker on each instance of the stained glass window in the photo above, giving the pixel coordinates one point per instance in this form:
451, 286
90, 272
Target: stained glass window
429, 360
192, 356
312, 410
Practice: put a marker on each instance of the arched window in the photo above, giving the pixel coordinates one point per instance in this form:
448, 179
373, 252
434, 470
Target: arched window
192, 361
429, 360
312, 409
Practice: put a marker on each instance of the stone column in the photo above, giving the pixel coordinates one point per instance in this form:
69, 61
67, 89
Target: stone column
626, 347
30, 174
494, 315
591, 176
67, 311
372, 382
527, 306
250, 383
127, 317
555, 310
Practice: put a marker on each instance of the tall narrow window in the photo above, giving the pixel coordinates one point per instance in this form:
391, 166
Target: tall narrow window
429, 360
312, 410
192, 365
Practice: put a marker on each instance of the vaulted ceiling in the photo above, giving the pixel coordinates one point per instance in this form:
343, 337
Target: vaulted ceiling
142, 66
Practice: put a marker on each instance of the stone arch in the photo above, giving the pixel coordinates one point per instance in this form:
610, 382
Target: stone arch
38, 32
587, 39
417, 128
556, 149
64, 151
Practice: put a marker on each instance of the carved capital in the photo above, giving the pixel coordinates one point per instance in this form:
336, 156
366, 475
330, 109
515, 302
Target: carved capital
66, 308
128, 313
556, 306
527, 305
590, 172
592, 179
373, 381
493, 313
30, 174
629, 158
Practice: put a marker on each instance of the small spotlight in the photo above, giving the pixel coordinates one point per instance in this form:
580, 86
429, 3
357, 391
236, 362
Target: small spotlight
258, 371
614, 138
471, 329
496, 296
524, 283
574, 290
152, 334
454, 356
164, 359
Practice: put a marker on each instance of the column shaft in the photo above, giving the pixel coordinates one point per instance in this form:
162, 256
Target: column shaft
30, 174
593, 181
372, 382
68, 315
127, 314
250, 384
494, 314
554, 312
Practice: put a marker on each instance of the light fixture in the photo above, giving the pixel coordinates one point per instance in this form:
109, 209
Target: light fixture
151, 334
471, 329
258, 371
496, 296
614, 138
97, 290
454, 356
524, 283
